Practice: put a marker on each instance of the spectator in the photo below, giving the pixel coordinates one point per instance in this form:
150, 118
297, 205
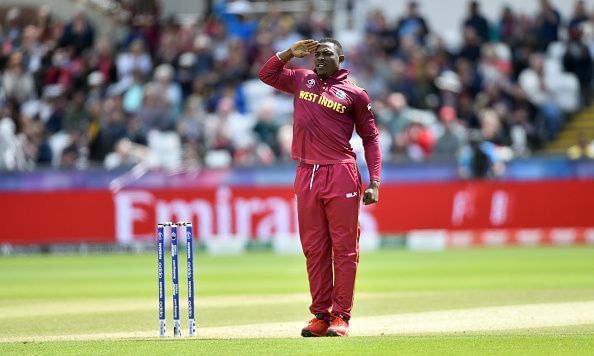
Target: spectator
538, 86
588, 33
377, 26
266, 127
204, 58
584, 149
248, 152
34, 143
398, 81
169, 42
466, 112
168, 89
470, 78
63, 70
507, 28
115, 29
191, 156
44, 24
491, 127
369, 78
471, 48
96, 87
285, 137
12, 31
69, 157
521, 57
112, 126
238, 20
101, 59
416, 140
134, 94
580, 15
495, 66
523, 132
127, 154
76, 117
79, 33
156, 112
397, 115
450, 141
136, 59
422, 77
200, 94
274, 19
52, 106
234, 68
548, 21
185, 73
578, 60
191, 125
477, 21
320, 27
479, 159
412, 25
227, 127
11, 153
449, 86
32, 50
16, 82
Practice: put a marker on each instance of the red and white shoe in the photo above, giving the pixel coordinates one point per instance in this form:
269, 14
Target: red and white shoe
316, 327
338, 326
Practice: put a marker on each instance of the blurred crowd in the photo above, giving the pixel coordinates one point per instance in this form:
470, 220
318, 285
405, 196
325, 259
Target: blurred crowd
183, 93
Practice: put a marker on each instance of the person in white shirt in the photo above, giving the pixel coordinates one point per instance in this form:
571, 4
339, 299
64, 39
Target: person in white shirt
539, 88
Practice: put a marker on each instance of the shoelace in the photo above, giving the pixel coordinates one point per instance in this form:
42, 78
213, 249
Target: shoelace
315, 319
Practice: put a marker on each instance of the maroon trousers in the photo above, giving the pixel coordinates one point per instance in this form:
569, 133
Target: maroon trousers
328, 199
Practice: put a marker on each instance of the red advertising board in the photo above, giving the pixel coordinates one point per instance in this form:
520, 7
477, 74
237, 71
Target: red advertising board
129, 215
480, 205
56, 217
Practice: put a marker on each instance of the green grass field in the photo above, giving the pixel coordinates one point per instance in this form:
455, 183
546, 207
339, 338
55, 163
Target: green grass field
107, 304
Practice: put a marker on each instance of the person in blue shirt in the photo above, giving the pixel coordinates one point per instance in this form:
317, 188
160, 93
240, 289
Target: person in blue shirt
479, 159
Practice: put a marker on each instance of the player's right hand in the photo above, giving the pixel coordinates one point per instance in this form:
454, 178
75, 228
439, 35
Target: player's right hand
371, 195
303, 48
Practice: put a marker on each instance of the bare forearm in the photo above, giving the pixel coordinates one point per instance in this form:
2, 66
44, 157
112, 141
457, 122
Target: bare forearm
286, 55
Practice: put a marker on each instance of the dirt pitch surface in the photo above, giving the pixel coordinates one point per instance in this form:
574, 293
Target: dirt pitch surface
500, 318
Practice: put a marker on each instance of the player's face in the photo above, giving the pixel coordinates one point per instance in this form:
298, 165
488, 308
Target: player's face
327, 60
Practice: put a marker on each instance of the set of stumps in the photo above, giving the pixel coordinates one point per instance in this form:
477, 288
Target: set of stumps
174, 230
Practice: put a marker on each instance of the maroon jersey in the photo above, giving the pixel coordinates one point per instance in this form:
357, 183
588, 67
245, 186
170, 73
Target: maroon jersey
326, 111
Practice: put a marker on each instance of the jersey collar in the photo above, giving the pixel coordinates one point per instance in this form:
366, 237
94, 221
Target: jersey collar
339, 75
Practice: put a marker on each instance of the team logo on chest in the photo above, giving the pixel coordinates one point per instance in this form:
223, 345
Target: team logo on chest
310, 83
340, 94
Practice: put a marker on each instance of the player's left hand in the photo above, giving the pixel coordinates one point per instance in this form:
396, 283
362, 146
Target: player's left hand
371, 195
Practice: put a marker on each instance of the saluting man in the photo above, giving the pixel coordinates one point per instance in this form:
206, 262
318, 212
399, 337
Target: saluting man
327, 107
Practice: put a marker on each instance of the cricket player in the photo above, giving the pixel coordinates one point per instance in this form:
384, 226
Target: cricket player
328, 184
